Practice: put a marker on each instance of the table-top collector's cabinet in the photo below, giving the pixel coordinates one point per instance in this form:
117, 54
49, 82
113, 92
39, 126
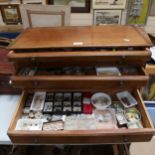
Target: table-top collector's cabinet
65, 60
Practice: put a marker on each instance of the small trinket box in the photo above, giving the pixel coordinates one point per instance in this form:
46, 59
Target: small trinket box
26, 110
67, 103
77, 97
29, 124
31, 115
87, 97
108, 71
58, 97
67, 110
32, 72
49, 97
121, 119
77, 104
67, 97
29, 100
57, 110
117, 106
134, 125
38, 101
58, 103
38, 115
77, 109
55, 125
126, 99
48, 107
132, 114
87, 109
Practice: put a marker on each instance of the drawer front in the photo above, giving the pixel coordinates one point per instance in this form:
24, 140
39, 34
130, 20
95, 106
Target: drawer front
110, 138
83, 136
79, 85
84, 57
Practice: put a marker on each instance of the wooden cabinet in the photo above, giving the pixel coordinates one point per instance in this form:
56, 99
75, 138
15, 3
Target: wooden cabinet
121, 46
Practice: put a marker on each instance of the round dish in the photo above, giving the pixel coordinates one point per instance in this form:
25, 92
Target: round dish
101, 101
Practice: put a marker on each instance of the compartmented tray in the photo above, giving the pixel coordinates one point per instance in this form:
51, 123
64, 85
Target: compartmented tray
83, 136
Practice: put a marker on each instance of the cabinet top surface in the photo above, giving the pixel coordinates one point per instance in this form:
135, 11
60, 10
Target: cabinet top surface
88, 36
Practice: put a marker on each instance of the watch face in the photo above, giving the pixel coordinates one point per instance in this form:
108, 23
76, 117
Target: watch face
67, 103
57, 103
57, 109
49, 96
48, 107
58, 97
77, 97
77, 109
67, 97
77, 104
26, 110
67, 109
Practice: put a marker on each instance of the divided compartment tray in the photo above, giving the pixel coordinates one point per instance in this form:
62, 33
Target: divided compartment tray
83, 136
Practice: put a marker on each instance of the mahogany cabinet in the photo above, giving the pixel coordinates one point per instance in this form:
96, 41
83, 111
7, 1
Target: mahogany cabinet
121, 46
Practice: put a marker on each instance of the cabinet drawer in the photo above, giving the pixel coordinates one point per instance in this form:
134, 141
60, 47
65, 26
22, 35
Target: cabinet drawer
82, 136
82, 82
94, 57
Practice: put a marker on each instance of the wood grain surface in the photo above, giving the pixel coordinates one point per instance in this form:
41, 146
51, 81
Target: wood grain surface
88, 36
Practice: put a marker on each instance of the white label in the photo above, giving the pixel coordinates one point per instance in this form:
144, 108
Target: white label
77, 43
126, 39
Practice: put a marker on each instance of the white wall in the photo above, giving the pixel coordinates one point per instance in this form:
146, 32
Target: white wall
84, 19
150, 25
81, 19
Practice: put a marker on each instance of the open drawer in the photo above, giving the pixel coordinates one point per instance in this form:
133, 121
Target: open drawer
43, 79
117, 135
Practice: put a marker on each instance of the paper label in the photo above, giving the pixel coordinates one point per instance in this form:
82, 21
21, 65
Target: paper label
77, 43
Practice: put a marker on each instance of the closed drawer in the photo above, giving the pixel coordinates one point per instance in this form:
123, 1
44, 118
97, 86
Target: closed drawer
82, 82
94, 57
82, 136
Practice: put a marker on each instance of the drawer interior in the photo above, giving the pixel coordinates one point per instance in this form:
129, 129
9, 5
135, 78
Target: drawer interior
79, 78
115, 135
81, 71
